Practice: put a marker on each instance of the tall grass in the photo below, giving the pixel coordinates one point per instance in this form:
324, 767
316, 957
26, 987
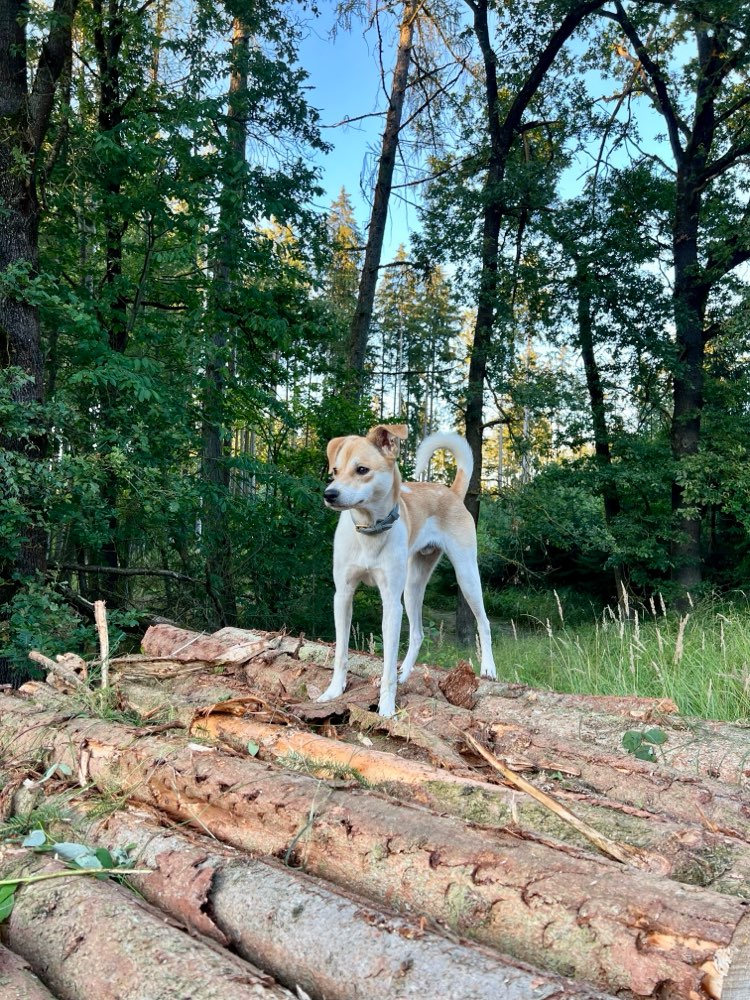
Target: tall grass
700, 658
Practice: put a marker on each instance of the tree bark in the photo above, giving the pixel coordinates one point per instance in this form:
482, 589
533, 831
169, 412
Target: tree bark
501, 134
216, 537
17, 979
286, 922
696, 166
91, 939
360, 326
559, 909
25, 116
610, 493
685, 851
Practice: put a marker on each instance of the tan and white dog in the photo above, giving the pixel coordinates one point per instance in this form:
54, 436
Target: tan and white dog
391, 535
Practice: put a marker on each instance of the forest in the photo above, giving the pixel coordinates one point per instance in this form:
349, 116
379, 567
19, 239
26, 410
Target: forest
186, 318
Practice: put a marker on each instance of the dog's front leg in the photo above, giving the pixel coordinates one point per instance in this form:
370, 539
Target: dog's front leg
342, 613
391, 590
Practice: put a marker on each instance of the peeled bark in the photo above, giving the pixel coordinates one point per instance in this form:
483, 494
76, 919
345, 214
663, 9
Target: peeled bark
560, 909
686, 851
90, 939
17, 981
293, 925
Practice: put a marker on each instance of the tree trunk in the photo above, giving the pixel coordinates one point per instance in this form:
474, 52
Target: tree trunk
689, 311
217, 438
501, 135
17, 979
557, 908
360, 326
91, 939
683, 850
25, 116
610, 493
284, 921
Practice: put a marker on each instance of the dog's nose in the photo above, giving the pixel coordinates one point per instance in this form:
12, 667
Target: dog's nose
331, 495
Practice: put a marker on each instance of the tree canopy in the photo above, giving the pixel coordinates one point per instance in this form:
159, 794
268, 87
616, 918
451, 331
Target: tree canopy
184, 320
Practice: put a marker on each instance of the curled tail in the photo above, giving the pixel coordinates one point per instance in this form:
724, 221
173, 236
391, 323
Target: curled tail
460, 450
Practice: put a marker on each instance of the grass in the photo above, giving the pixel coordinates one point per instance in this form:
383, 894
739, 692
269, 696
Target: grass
701, 658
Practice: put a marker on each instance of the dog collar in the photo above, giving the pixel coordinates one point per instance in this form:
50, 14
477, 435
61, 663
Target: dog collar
384, 524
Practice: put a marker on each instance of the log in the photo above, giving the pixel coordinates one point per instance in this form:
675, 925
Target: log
685, 851
563, 910
292, 924
684, 848
17, 981
582, 770
225, 646
694, 747
89, 939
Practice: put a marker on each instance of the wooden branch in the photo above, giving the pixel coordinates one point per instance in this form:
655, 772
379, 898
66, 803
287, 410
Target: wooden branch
61, 670
55, 51
169, 574
620, 852
100, 617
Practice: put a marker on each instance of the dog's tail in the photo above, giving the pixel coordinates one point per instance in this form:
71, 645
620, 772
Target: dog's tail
460, 450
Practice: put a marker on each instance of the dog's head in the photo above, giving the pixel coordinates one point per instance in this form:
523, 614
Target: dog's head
362, 469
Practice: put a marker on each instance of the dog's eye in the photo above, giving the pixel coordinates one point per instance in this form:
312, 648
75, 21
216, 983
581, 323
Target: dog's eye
361, 470
331, 476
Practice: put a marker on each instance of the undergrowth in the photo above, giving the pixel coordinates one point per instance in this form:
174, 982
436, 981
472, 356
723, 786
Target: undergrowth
700, 659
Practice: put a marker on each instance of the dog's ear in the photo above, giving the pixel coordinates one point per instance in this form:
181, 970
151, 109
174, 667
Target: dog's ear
388, 438
333, 446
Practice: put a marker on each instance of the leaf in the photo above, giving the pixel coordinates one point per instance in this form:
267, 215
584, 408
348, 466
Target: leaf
37, 838
645, 752
71, 852
656, 736
252, 748
7, 900
105, 858
65, 770
87, 861
632, 741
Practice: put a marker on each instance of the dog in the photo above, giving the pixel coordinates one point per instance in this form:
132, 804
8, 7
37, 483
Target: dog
391, 535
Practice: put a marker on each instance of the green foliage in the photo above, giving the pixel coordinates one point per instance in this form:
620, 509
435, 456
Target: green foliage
641, 743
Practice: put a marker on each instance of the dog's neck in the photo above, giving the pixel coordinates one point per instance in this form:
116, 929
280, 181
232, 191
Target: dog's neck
379, 510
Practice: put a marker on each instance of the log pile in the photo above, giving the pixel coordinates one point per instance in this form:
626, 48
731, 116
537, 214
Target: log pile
490, 841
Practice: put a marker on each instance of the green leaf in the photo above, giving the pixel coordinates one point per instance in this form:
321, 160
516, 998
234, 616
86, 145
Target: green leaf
632, 740
37, 838
645, 753
7, 900
71, 852
252, 748
105, 858
87, 861
657, 736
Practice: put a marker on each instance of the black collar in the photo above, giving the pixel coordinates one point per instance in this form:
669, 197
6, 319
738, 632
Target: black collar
384, 524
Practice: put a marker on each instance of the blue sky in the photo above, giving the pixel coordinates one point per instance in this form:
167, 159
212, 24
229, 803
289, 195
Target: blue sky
344, 80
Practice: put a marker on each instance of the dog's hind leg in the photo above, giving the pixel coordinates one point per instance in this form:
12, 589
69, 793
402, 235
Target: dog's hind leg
417, 577
342, 613
464, 561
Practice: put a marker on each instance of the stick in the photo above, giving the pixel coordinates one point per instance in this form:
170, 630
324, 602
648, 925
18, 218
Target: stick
620, 852
68, 675
100, 617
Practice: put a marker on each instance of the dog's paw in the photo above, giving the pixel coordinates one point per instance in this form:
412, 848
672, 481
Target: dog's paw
387, 709
332, 692
404, 674
489, 673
